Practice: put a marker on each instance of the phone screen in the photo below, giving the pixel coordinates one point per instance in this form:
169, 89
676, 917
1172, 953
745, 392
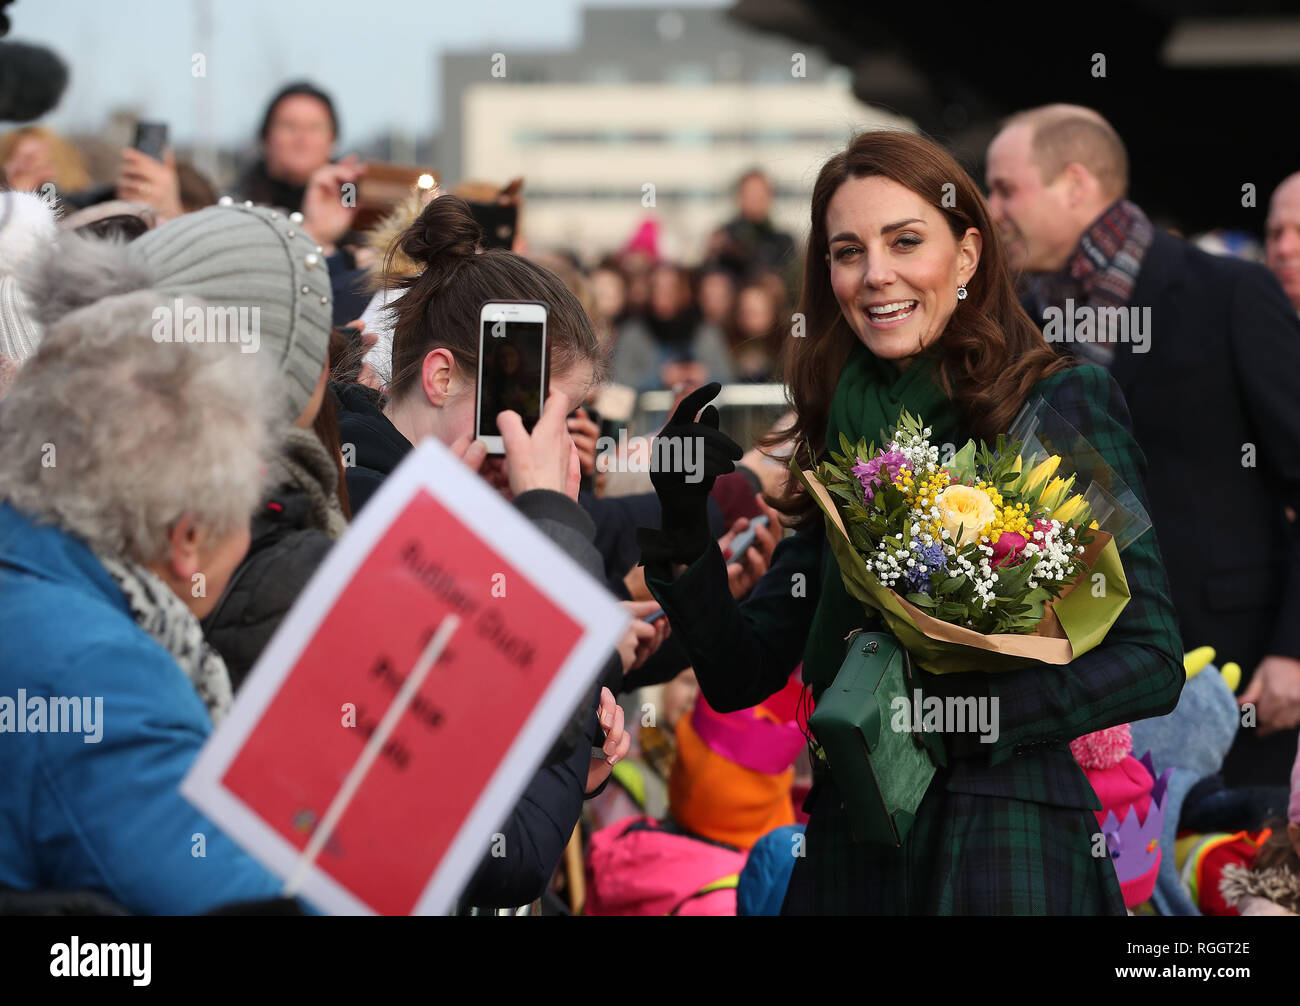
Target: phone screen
514, 363
151, 138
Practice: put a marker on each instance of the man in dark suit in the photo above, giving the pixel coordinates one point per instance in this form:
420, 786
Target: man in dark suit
1207, 352
1282, 237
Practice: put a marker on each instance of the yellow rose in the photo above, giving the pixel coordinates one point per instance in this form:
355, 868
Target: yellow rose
967, 508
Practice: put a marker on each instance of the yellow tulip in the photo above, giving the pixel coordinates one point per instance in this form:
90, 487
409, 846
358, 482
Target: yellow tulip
1070, 509
1016, 467
1057, 489
1040, 473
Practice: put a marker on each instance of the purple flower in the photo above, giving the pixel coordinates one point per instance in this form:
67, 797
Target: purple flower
889, 463
917, 580
930, 562
933, 556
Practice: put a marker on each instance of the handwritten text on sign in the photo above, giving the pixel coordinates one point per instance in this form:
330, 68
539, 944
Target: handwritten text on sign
291, 767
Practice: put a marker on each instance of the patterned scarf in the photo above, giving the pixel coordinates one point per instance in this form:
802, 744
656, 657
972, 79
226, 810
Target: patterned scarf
159, 612
868, 398
1101, 273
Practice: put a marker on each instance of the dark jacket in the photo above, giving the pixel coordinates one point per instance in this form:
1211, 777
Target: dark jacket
1007, 827
1215, 404
290, 539
757, 246
258, 185
372, 447
545, 817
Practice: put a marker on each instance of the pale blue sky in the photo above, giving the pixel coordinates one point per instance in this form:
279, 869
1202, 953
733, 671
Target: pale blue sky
377, 58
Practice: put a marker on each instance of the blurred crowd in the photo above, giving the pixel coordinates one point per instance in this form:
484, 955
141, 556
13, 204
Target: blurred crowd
372, 330
666, 323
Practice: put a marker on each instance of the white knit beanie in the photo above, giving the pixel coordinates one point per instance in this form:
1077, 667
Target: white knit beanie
231, 256
245, 255
27, 228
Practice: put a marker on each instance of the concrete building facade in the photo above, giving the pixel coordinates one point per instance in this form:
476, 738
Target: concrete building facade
655, 113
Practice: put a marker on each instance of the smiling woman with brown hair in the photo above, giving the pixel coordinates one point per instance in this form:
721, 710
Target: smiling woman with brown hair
908, 303
989, 353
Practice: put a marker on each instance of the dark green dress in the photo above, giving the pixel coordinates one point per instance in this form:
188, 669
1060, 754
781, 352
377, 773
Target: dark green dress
1007, 827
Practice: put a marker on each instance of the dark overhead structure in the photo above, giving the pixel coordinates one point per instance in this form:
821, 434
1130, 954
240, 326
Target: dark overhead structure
1205, 94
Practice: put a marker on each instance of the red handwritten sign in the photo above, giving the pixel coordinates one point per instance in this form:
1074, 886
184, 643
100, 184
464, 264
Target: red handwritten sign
285, 764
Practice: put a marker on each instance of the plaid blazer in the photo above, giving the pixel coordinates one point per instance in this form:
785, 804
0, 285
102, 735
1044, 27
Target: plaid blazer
1007, 827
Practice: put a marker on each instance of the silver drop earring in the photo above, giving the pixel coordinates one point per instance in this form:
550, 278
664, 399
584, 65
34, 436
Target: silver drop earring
961, 292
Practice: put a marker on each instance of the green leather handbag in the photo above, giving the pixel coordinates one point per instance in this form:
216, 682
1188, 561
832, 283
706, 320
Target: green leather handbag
881, 773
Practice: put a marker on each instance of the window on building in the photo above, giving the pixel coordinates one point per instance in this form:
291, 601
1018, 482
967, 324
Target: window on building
690, 136
688, 74
772, 73
607, 73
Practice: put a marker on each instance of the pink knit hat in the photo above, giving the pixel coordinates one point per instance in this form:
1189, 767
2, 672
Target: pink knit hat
645, 240
1132, 801
753, 738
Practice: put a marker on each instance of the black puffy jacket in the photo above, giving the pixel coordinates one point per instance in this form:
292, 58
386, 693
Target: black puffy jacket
285, 550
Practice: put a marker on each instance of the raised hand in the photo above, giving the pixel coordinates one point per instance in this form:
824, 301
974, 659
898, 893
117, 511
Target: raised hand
687, 457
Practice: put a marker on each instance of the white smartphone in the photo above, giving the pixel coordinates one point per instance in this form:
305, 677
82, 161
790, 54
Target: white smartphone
513, 366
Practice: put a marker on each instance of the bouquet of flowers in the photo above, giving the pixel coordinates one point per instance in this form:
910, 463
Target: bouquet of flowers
991, 559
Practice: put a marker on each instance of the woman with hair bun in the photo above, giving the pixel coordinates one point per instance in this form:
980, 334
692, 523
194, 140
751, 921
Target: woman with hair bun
435, 319
432, 390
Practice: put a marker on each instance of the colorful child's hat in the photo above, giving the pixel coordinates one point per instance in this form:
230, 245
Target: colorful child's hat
1192, 740
1132, 801
732, 776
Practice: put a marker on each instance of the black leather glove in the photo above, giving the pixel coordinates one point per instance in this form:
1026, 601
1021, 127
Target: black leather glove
684, 494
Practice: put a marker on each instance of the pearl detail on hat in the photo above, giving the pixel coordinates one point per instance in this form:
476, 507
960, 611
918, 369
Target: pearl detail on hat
306, 288
324, 300
295, 217
225, 201
311, 261
248, 203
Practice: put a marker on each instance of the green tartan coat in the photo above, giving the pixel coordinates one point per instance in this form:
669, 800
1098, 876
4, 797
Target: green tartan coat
1007, 827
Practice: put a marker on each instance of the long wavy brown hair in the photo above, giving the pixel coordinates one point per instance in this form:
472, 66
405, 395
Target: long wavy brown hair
989, 356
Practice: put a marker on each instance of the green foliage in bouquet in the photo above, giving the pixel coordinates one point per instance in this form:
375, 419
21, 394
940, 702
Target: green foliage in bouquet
981, 541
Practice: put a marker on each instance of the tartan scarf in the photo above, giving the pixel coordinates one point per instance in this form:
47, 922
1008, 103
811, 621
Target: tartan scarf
1101, 273
868, 399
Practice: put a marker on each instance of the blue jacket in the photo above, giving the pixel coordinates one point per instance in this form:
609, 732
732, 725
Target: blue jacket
105, 815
